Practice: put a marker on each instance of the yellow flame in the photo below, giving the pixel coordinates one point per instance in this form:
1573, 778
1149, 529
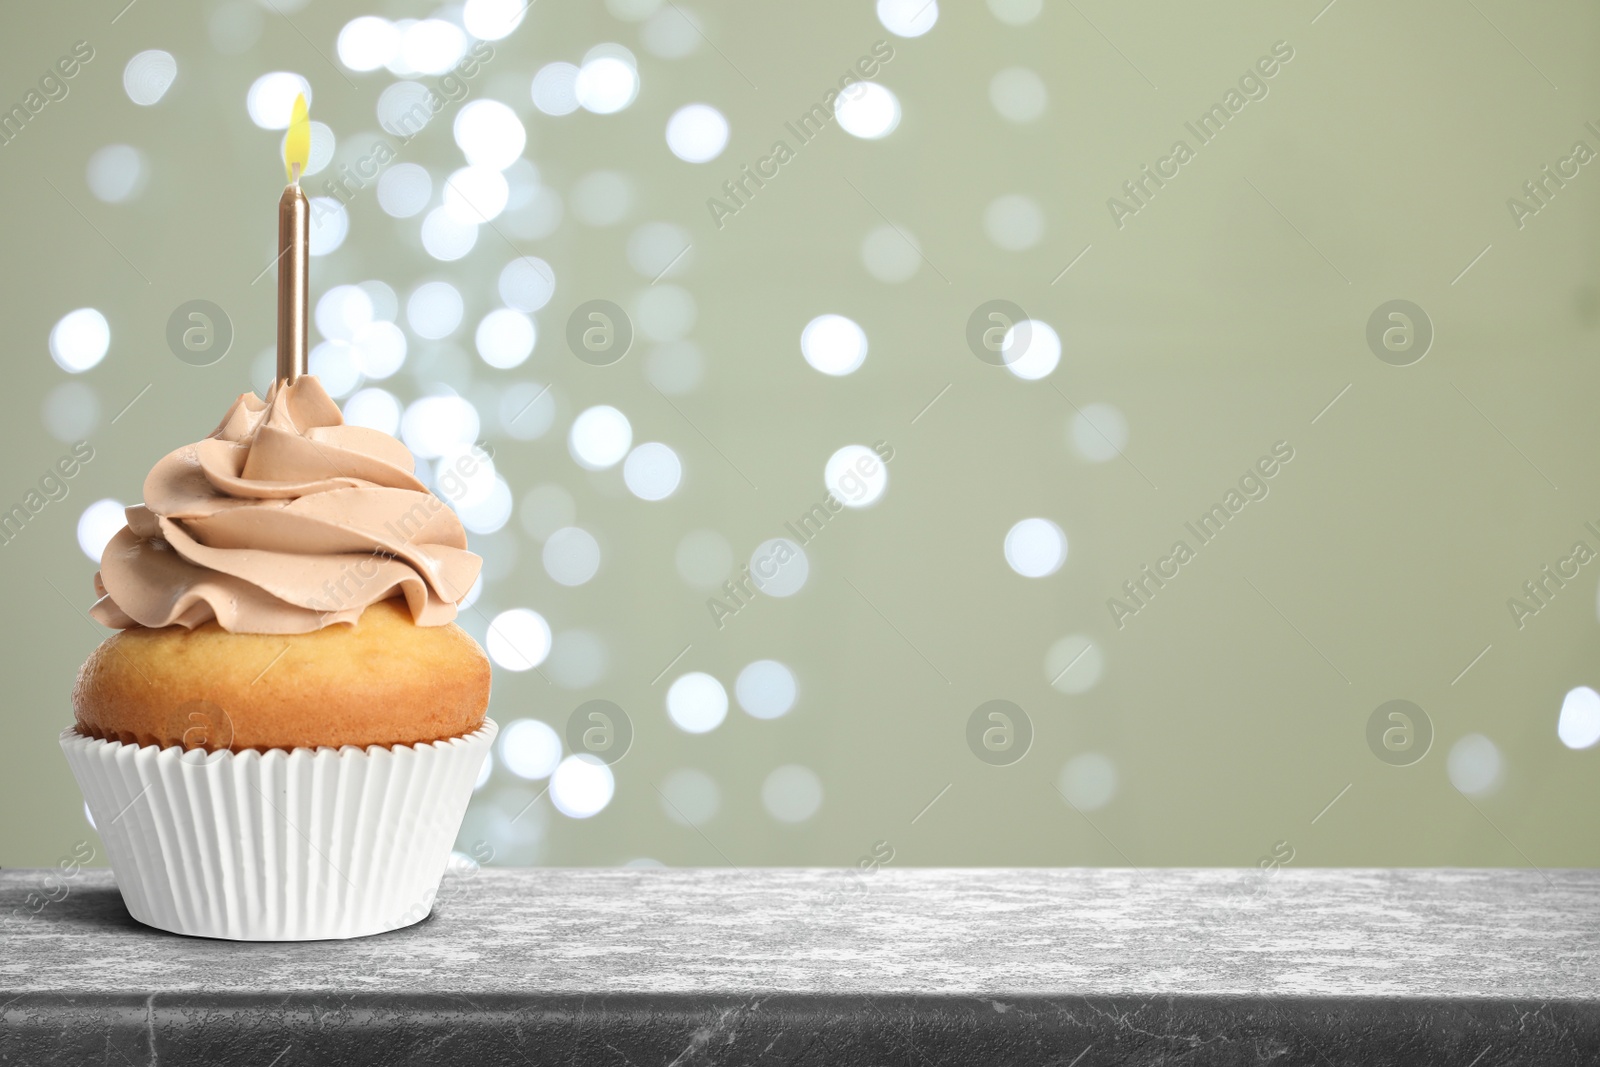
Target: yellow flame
297, 144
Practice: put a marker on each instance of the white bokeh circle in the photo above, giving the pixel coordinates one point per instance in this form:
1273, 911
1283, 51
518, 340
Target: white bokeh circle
530, 748
1016, 12
582, 786
117, 173
690, 797
1035, 548
606, 84
856, 476
1030, 349
600, 437
1098, 432
98, 524
518, 640
1074, 664
766, 689
505, 338
367, 43
779, 567
1014, 222
148, 76
434, 310
270, 99
489, 134
80, 340
1475, 765
792, 793
867, 110
891, 254
908, 18
1579, 724
834, 344
652, 471
1018, 94
571, 556
1088, 782
555, 88
697, 133
697, 703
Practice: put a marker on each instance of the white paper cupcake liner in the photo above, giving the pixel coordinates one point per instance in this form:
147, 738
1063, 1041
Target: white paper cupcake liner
294, 845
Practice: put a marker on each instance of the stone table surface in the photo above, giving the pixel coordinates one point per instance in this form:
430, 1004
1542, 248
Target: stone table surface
1066, 967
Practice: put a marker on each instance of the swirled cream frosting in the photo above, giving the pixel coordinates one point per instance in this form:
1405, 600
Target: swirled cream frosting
284, 520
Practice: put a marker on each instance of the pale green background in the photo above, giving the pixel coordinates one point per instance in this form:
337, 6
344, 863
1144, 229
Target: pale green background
1217, 323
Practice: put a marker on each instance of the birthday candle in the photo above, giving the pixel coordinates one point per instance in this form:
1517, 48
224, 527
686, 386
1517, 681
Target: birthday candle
294, 236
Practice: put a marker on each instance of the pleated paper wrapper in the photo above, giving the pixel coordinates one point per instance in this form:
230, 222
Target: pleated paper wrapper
295, 845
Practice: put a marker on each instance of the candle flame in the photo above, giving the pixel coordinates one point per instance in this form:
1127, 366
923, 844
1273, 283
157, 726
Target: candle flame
297, 144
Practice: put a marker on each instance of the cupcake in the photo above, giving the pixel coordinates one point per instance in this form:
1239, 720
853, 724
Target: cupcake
281, 740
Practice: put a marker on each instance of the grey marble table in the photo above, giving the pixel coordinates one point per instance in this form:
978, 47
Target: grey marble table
1069, 968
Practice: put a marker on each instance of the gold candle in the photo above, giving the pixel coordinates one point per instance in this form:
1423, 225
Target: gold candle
294, 237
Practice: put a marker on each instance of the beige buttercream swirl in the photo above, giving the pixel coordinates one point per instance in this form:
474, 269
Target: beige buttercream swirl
284, 520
